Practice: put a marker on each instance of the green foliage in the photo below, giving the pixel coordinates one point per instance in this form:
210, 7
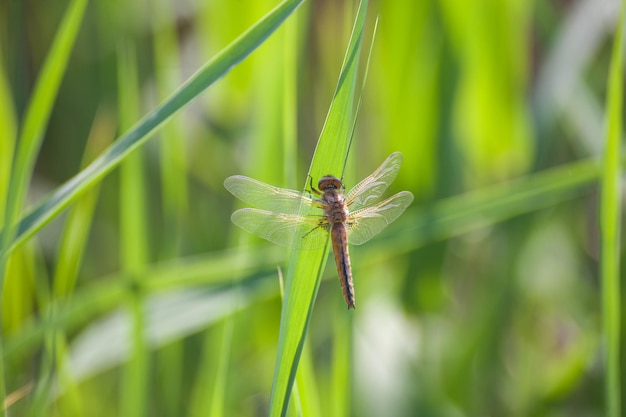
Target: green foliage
143, 299
610, 214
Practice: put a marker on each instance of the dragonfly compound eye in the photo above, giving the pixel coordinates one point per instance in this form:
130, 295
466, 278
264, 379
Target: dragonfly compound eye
329, 183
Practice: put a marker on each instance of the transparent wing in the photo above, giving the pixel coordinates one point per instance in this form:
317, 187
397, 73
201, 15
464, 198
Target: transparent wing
366, 223
287, 230
268, 197
371, 188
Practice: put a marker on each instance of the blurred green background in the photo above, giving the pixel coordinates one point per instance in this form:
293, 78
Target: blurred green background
481, 300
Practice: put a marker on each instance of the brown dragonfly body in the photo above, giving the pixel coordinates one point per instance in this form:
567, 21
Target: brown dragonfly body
296, 220
336, 215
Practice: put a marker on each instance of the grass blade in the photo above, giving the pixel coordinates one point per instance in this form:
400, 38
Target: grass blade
218, 395
133, 246
306, 385
74, 237
460, 214
173, 170
72, 244
610, 209
306, 267
340, 395
140, 133
8, 133
172, 157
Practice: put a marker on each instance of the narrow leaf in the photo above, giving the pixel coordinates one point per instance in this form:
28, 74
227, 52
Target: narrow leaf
306, 267
610, 208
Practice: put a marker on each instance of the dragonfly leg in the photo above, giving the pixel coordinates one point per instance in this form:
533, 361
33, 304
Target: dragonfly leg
312, 189
322, 224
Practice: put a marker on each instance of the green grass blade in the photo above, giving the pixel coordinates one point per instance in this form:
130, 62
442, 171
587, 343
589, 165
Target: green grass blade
133, 238
169, 367
199, 402
72, 245
340, 399
8, 131
308, 392
610, 209
290, 99
140, 133
364, 81
173, 170
71, 404
43, 387
334, 142
460, 214
133, 248
75, 234
8, 134
173, 164
218, 394
306, 267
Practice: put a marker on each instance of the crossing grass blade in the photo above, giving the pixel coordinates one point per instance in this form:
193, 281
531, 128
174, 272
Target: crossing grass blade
306, 267
610, 225
221, 64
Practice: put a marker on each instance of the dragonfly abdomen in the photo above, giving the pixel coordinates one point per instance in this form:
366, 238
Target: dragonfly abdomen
342, 259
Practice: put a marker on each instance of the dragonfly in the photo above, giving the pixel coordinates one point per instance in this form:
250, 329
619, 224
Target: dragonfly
304, 220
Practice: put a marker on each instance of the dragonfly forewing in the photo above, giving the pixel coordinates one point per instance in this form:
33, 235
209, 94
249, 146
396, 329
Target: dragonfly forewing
268, 197
366, 223
287, 230
369, 190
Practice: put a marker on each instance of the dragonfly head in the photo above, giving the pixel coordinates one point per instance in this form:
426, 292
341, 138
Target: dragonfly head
329, 183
